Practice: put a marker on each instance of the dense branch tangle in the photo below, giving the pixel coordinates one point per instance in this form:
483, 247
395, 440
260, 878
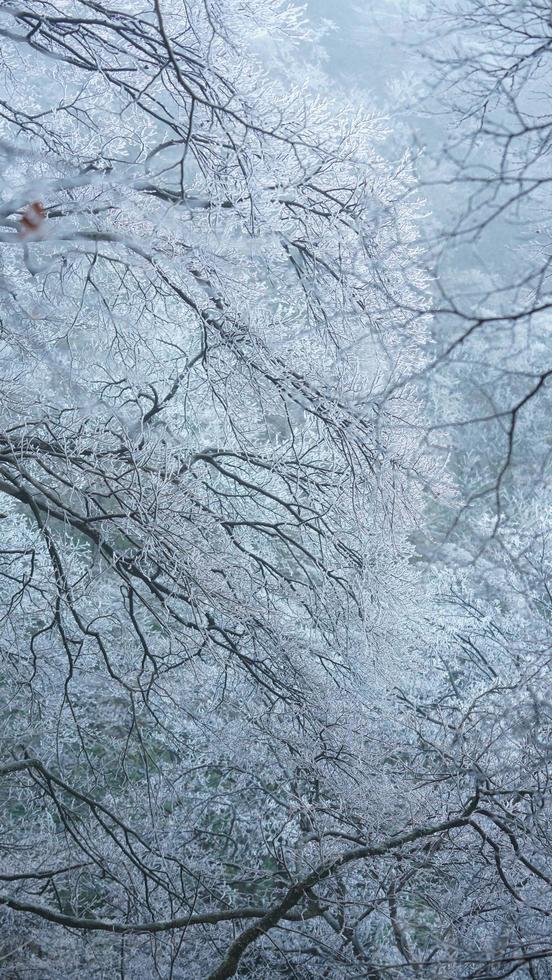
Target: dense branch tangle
211, 356
195, 486
206, 569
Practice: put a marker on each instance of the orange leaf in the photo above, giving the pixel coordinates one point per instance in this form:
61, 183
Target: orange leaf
32, 219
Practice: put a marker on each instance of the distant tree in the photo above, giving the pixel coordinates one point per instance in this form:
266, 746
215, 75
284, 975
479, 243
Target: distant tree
487, 118
484, 117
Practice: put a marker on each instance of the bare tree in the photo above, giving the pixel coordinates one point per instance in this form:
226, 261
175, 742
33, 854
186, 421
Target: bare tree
237, 735
487, 125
